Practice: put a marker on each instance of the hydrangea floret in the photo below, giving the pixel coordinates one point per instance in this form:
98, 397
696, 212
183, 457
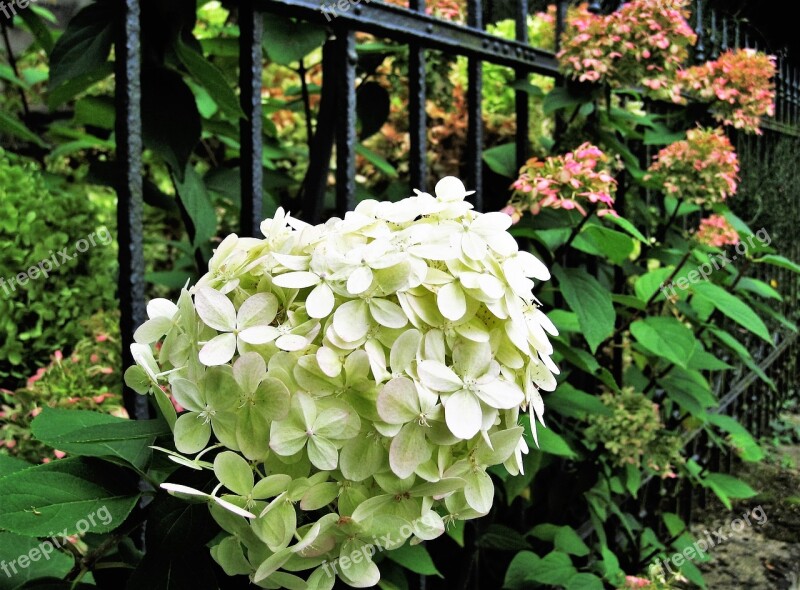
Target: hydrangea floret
644, 43
578, 180
703, 168
354, 380
738, 85
716, 231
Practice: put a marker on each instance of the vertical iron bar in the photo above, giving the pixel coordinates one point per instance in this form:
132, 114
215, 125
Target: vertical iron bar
521, 97
700, 46
474, 160
418, 120
130, 227
724, 33
714, 36
346, 139
251, 25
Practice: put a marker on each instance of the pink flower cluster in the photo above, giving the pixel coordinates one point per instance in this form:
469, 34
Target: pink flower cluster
738, 85
703, 168
715, 231
570, 181
644, 43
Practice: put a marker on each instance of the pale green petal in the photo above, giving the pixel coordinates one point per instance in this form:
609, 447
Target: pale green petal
351, 320
322, 453
408, 450
187, 395
503, 444
452, 301
192, 433
404, 350
361, 456
224, 426
277, 526
429, 526
319, 496
338, 420
433, 348
220, 389
215, 309
398, 401
258, 335
252, 433
152, 330
234, 473
462, 412
271, 399
321, 579
329, 362
286, 439
248, 370
320, 302
479, 491
271, 486
361, 571
438, 377
229, 554
258, 310
471, 359
292, 342
218, 350
387, 313
474, 330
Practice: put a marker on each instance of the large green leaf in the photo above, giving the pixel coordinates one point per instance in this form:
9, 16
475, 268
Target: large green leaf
572, 403
590, 300
212, 79
601, 241
85, 45
9, 465
779, 261
744, 354
517, 573
648, 284
665, 337
560, 98
69, 494
50, 562
81, 432
287, 41
733, 307
741, 440
414, 558
727, 487
502, 159
10, 125
689, 389
196, 201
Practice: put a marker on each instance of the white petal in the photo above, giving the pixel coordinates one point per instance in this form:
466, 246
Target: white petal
473, 246
291, 342
462, 412
387, 313
320, 301
296, 280
215, 309
161, 308
218, 350
532, 266
259, 334
451, 301
351, 320
500, 394
329, 361
450, 188
258, 310
438, 377
489, 224
398, 402
360, 280
404, 350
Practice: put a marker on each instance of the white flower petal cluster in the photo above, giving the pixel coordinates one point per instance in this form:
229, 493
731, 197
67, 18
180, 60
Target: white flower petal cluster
359, 375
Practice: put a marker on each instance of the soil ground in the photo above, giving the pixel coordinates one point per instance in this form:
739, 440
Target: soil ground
763, 557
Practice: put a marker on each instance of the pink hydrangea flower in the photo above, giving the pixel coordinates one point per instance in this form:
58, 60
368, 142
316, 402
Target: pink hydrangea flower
717, 232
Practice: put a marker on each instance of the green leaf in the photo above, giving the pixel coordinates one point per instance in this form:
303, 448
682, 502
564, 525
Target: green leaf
10, 125
38, 29
92, 434
601, 241
517, 573
568, 541
584, 581
502, 538
572, 403
689, 389
555, 569
211, 78
665, 337
57, 96
737, 347
648, 284
287, 41
590, 300
560, 98
779, 261
372, 108
63, 495
627, 226
85, 45
662, 136
197, 203
50, 562
414, 558
727, 486
740, 439
97, 111
552, 443
758, 287
733, 307
526, 86
9, 465
502, 159
377, 160
170, 120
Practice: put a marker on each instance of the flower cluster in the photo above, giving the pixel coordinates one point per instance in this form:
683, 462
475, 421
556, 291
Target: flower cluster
644, 43
634, 434
571, 181
359, 375
738, 85
703, 168
716, 231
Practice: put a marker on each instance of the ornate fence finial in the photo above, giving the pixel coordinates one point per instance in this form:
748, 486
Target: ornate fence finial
700, 47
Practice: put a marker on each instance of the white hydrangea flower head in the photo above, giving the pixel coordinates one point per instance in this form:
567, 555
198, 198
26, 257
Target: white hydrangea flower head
354, 379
